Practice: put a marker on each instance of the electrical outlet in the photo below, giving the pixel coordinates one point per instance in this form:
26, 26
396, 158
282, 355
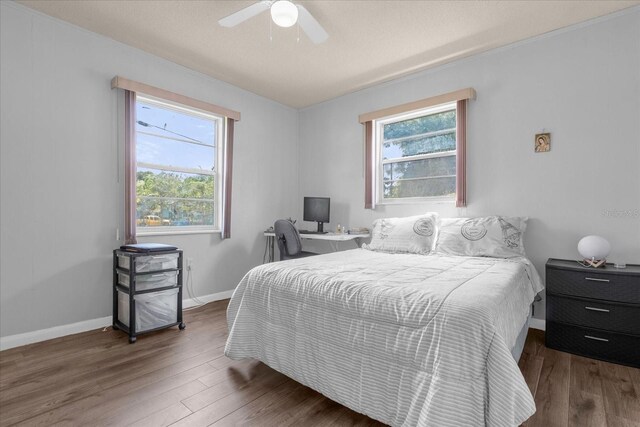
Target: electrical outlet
189, 262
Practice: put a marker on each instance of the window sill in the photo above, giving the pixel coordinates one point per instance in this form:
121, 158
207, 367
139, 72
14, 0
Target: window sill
175, 232
416, 200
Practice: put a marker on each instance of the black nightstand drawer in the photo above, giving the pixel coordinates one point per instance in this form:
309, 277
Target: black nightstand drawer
594, 284
594, 314
616, 348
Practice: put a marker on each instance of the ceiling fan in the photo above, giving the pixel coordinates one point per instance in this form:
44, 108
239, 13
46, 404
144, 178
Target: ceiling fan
284, 14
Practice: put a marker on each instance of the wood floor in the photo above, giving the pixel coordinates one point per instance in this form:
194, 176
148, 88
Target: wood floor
571, 390
183, 379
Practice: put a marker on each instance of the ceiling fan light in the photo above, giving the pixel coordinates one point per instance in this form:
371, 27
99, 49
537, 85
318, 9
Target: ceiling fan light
284, 13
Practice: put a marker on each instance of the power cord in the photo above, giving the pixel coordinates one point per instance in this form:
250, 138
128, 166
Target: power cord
266, 249
190, 291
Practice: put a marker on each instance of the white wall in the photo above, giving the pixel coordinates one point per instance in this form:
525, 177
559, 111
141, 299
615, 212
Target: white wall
582, 85
61, 195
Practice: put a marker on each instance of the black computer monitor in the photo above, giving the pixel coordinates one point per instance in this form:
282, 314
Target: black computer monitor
316, 209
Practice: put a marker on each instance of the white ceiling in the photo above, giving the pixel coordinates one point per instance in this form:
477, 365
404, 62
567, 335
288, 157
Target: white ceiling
369, 41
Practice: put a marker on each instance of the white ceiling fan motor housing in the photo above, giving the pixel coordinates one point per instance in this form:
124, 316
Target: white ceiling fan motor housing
284, 13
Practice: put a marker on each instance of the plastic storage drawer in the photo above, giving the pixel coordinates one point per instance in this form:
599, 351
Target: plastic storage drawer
144, 282
150, 263
153, 310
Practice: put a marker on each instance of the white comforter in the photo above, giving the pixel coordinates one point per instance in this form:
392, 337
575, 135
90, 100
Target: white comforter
409, 340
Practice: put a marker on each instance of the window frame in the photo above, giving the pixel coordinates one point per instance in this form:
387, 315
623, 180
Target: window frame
378, 142
218, 172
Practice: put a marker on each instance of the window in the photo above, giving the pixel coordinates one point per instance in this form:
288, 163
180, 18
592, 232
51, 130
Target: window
416, 154
184, 165
417, 151
178, 167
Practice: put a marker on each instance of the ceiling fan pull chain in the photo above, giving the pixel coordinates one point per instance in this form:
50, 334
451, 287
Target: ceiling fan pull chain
270, 29
298, 39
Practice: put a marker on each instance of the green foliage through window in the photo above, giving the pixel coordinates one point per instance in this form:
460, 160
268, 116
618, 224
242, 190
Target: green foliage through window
177, 199
428, 144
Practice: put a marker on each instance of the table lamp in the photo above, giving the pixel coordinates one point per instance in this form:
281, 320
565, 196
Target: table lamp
594, 250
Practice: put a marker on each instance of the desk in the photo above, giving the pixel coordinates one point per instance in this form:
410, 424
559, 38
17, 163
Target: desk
332, 238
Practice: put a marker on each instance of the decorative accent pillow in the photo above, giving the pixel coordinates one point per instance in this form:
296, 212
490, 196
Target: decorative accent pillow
494, 236
414, 234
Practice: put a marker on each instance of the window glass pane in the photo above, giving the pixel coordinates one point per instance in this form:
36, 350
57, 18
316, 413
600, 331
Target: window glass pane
156, 212
429, 134
437, 166
173, 198
175, 139
429, 187
387, 171
419, 145
169, 123
419, 125
169, 152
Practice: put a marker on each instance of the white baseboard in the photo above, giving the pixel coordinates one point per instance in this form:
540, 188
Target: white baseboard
536, 323
18, 340
188, 303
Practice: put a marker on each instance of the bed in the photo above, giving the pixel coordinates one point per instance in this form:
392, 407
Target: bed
407, 339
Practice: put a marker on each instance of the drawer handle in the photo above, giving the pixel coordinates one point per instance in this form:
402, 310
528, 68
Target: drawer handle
603, 310
596, 338
593, 279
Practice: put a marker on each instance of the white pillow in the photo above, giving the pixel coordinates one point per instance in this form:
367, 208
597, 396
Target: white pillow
494, 236
414, 234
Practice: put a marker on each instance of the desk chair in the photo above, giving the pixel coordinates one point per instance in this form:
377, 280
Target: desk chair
288, 240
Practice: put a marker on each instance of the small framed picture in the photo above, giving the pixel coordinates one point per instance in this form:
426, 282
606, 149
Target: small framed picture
543, 142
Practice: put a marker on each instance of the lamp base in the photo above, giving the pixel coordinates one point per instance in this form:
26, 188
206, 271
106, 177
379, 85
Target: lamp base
594, 263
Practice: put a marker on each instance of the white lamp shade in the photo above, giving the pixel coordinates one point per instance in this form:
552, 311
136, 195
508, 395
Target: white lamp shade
284, 13
594, 247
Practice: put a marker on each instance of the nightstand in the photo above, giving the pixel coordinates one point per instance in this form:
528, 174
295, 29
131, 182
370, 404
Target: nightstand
594, 312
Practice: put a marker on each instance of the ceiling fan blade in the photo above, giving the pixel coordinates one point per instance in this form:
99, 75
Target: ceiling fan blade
244, 14
310, 26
